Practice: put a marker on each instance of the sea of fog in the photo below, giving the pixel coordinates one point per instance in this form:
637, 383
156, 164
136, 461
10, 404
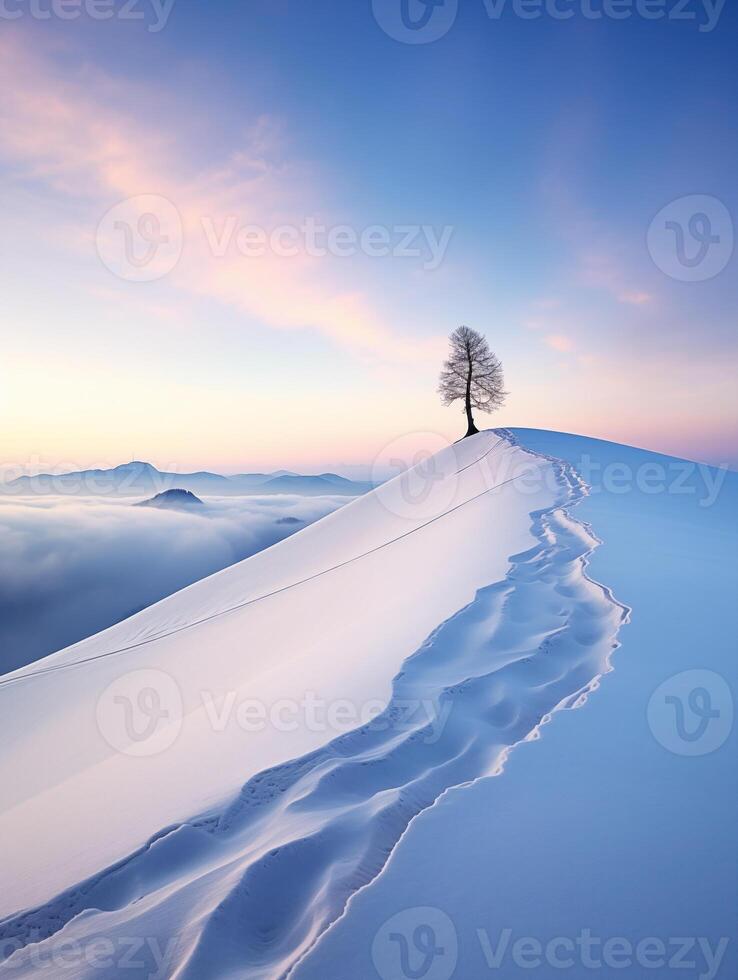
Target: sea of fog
72, 567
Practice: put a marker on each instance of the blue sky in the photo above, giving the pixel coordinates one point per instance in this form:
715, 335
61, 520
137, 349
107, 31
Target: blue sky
546, 148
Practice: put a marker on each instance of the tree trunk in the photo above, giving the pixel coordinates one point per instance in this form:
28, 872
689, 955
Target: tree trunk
471, 429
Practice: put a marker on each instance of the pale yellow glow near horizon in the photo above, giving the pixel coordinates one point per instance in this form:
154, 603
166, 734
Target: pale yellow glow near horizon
63, 415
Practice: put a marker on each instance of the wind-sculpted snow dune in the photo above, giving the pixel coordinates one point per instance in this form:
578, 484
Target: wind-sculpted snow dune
247, 888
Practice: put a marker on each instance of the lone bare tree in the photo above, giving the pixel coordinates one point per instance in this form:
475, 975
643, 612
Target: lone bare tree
472, 372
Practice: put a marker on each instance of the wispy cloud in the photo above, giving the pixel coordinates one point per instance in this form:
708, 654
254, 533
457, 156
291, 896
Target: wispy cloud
560, 342
606, 269
635, 298
67, 128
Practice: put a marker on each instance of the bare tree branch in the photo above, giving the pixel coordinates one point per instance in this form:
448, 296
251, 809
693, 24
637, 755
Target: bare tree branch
471, 373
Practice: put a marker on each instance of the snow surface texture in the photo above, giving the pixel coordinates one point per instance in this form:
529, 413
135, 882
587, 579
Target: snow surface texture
247, 887
615, 827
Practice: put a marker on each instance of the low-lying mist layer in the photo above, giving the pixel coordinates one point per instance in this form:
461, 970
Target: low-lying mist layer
69, 568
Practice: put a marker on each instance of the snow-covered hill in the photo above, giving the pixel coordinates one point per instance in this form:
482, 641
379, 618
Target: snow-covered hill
609, 846
222, 772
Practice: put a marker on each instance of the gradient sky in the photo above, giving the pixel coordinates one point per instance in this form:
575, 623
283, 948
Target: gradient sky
547, 146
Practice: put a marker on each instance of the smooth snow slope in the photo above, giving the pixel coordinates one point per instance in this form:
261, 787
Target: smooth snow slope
331, 613
248, 887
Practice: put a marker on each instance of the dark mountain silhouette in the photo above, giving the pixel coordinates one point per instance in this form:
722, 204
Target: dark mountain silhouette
138, 479
326, 483
175, 499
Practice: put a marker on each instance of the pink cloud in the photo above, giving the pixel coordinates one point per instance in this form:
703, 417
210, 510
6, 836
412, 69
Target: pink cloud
635, 298
560, 342
69, 131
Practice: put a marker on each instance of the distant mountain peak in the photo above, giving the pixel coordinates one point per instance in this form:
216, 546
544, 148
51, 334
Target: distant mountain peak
175, 498
137, 465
